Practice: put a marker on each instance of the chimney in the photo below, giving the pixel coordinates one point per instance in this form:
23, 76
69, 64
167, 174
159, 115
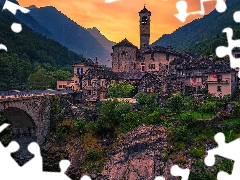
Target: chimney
96, 61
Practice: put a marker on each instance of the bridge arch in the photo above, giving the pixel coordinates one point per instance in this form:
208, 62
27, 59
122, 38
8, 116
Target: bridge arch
28, 114
22, 123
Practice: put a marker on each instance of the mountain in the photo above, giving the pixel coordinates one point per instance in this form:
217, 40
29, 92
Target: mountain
107, 44
70, 34
201, 29
27, 50
30, 22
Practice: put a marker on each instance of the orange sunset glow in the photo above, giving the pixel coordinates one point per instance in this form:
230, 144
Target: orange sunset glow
120, 19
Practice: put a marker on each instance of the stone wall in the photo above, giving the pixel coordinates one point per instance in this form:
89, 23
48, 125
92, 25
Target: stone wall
32, 114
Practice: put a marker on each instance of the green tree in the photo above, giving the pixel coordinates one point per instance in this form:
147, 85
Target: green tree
237, 109
80, 125
46, 76
175, 103
40, 80
148, 102
112, 113
121, 90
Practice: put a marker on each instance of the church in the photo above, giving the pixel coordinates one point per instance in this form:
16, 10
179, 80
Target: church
126, 57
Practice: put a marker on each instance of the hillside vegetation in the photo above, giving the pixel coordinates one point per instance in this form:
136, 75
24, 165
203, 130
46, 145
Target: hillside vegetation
201, 29
26, 51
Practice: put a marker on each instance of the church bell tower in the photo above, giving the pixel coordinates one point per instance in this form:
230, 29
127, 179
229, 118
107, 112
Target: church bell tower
144, 15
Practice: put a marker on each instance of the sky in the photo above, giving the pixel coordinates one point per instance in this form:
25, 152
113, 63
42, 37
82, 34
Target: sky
120, 19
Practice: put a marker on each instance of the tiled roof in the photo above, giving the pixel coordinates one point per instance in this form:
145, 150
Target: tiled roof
161, 49
220, 68
87, 62
236, 49
192, 63
131, 75
101, 74
125, 42
144, 10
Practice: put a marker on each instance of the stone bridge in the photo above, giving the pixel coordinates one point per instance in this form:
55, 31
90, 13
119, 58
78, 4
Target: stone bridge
29, 113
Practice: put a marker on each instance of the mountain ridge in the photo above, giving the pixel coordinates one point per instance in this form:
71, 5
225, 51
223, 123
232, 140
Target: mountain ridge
106, 43
70, 34
200, 29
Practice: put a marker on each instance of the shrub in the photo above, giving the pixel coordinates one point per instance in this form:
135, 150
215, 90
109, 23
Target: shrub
179, 133
120, 90
62, 131
223, 114
93, 155
196, 152
80, 125
236, 109
154, 118
175, 103
211, 106
111, 115
147, 101
132, 120
190, 122
121, 109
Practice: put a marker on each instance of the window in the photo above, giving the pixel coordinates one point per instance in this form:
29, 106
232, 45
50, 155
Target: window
60, 86
103, 83
219, 89
152, 56
79, 80
64, 86
167, 57
89, 83
151, 66
79, 70
144, 20
237, 55
89, 92
124, 53
143, 68
219, 78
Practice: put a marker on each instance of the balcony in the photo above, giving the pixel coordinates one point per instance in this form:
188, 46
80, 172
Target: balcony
217, 82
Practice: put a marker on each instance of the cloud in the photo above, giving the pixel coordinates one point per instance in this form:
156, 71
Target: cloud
110, 1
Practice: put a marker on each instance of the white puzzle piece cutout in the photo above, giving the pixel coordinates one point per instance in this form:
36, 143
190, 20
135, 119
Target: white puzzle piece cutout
177, 171
182, 6
16, 27
222, 51
226, 150
33, 169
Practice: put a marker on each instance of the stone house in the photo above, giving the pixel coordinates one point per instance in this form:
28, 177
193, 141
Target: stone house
130, 77
79, 69
222, 79
236, 52
152, 83
192, 71
95, 83
126, 57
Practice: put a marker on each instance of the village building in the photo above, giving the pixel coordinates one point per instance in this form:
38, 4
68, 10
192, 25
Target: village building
152, 83
79, 69
222, 79
157, 69
133, 78
126, 57
95, 83
192, 71
236, 52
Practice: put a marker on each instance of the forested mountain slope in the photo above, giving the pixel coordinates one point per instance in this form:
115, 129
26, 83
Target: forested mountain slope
201, 29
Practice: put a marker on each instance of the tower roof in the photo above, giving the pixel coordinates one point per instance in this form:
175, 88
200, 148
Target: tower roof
144, 10
125, 42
